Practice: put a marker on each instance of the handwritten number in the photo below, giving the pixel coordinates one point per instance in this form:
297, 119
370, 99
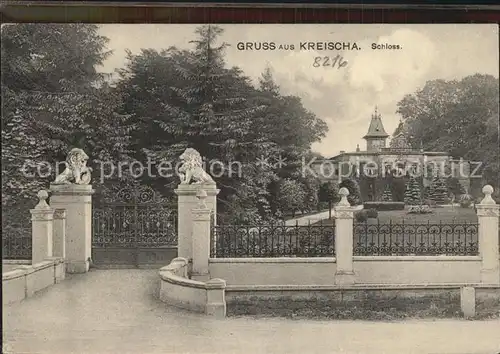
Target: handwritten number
335, 62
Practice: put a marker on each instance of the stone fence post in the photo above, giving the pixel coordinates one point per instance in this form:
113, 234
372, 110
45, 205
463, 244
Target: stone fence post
59, 235
487, 214
344, 215
201, 238
187, 201
42, 217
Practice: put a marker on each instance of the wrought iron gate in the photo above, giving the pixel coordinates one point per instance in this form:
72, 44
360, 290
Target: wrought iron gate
137, 228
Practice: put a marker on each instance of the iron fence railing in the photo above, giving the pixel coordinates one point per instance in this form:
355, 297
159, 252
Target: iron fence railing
16, 236
272, 241
134, 216
127, 226
458, 239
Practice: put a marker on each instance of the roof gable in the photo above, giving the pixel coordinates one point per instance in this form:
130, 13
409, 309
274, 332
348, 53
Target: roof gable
376, 129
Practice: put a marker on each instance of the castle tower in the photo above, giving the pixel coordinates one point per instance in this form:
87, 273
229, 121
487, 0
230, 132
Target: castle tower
376, 136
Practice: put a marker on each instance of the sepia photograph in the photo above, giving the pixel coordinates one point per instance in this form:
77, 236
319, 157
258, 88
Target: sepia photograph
250, 188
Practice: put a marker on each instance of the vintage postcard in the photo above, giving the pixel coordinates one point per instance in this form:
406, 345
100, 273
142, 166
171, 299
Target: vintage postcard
277, 188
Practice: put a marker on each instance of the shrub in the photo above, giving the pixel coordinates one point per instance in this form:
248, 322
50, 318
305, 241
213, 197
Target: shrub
438, 190
372, 213
387, 195
291, 196
420, 209
412, 194
465, 200
328, 194
384, 206
361, 216
430, 203
454, 186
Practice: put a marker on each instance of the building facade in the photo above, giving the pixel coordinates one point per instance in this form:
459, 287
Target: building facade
380, 161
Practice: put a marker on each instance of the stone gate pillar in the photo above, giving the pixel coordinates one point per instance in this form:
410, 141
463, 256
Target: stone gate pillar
72, 192
59, 235
487, 214
344, 215
193, 179
42, 217
201, 239
187, 201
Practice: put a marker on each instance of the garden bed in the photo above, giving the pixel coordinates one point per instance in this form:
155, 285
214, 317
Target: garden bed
321, 309
431, 307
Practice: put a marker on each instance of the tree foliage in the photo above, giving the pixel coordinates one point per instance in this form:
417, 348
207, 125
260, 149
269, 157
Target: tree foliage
328, 192
54, 99
191, 98
291, 196
459, 117
164, 101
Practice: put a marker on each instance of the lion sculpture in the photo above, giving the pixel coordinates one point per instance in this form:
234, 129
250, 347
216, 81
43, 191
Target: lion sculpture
76, 171
191, 168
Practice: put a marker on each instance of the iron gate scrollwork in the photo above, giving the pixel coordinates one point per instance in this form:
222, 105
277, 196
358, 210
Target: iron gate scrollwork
136, 218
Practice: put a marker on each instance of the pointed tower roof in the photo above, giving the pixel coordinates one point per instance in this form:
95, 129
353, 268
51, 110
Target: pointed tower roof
376, 129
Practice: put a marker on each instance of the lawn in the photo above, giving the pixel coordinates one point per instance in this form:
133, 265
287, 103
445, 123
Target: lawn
443, 215
298, 214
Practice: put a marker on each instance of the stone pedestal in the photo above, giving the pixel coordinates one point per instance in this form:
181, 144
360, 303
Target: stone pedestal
77, 201
344, 215
487, 214
468, 301
216, 301
59, 235
42, 227
187, 201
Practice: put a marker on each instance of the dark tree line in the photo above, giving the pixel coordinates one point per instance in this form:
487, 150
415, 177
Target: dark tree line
460, 117
164, 101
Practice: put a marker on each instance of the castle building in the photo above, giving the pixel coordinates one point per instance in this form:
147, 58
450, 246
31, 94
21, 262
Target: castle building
399, 159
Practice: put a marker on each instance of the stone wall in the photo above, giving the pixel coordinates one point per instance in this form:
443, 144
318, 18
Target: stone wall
176, 289
405, 270
25, 280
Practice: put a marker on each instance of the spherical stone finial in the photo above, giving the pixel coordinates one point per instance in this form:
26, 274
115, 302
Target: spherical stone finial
344, 192
488, 191
42, 195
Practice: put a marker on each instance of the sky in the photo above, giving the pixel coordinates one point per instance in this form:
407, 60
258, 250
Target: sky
343, 97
